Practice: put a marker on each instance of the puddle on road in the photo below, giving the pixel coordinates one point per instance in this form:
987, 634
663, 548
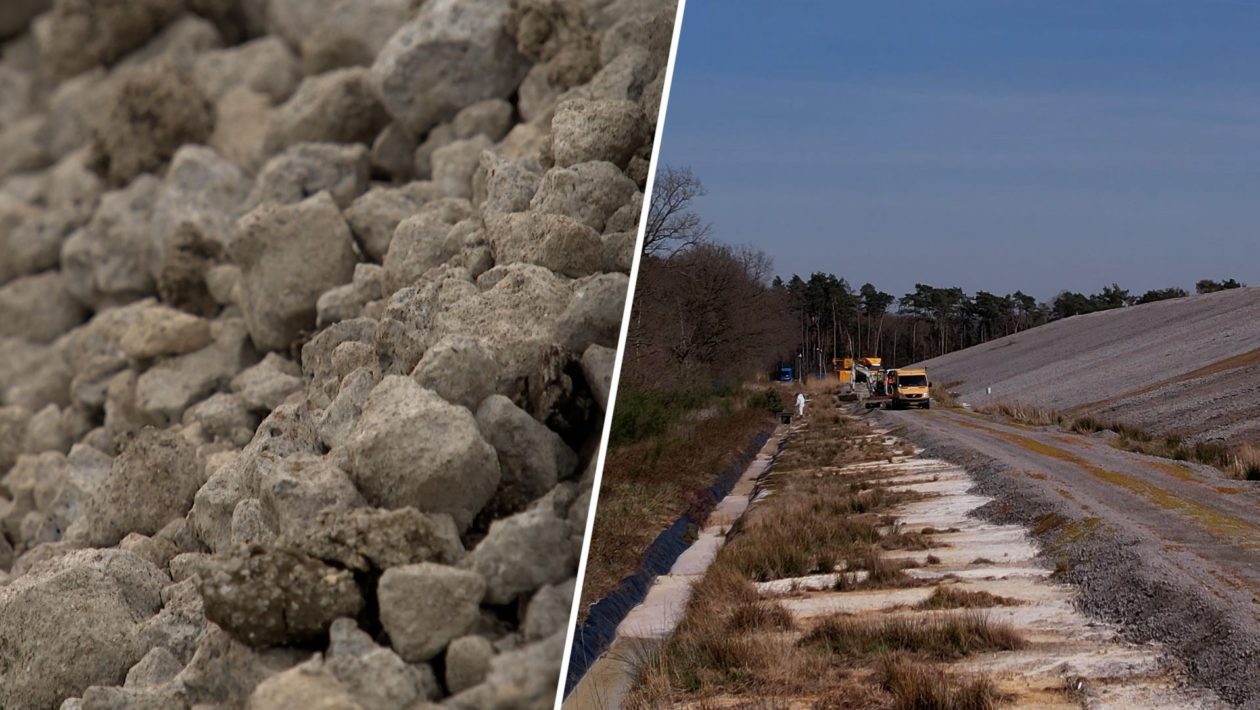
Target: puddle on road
1070, 661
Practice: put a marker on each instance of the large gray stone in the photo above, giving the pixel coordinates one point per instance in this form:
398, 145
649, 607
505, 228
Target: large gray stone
38, 308
73, 622
523, 552
109, 262
352, 33
298, 487
79, 35
588, 192
267, 597
264, 65
411, 447
280, 281
165, 390
365, 539
559, 243
425, 606
532, 458
161, 330
337, 107
609, 131
460, 369
203, 194
308, 168
151, 483
454, 54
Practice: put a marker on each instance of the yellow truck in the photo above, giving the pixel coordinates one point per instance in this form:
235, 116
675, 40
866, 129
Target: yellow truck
909, 388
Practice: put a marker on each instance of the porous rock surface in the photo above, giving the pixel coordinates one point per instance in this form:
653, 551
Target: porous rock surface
307, 313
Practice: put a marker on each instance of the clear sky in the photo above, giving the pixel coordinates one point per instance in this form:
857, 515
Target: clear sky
990, 144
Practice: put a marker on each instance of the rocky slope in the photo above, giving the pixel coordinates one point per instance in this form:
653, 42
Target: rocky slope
307, 310
1189, 366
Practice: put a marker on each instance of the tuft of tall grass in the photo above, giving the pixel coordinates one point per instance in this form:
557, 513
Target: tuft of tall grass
940, 636
919, 686
950, 597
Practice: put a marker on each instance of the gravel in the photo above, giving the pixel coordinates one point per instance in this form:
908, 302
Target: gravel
307, 316
1189, 366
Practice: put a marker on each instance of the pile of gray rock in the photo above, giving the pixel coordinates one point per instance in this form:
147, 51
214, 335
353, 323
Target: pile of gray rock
307, 313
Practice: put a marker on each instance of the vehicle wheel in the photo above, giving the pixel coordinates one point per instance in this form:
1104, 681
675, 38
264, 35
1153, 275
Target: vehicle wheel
927, 405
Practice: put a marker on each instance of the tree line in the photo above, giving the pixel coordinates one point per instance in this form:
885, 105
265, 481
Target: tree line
710, 313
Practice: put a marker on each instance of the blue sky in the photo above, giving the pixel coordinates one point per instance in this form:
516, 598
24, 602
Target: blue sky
990, 144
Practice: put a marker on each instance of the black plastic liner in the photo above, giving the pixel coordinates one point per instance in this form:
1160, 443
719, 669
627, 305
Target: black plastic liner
592, 637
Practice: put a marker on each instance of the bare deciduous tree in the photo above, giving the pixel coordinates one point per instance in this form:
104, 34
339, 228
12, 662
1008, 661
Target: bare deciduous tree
672, 226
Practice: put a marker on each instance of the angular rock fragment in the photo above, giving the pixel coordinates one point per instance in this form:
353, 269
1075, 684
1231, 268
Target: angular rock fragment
412, 448
268, 597
588, 192
522, 553
597, 367
597, 130
460, 369
165, 390
425, 606
77, 36
299, 487
266, 385
337, 107
467, 662
554, 241
280, 282
109, 261
164, 331
264, 65
532, 458
369, 538
152, 482
38, 308
453, 54
308, 168
86, 607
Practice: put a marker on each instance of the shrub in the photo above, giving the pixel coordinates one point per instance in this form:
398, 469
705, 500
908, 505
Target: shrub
767, 399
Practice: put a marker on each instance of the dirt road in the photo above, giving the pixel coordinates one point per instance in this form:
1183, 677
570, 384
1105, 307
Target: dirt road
1171, 551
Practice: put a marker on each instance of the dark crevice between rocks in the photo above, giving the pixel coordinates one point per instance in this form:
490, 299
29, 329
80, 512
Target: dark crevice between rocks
369, 619
574, 418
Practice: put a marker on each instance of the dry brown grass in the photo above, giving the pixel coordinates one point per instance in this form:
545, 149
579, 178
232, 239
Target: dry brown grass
954, 598
942, 396
1239, 461
938, 636
648, 484
811, 526
881, 571
729, 640
1246, 465
735, 649
1021, 413
908, 541
919, 686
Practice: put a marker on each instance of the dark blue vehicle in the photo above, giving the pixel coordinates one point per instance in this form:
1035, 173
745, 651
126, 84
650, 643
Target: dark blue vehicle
786, 374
